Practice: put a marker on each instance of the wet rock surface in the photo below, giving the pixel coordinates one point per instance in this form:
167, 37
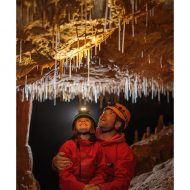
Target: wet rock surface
160, 178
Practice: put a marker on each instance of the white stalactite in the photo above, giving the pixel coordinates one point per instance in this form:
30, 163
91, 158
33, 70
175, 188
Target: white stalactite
123, 39
119, 35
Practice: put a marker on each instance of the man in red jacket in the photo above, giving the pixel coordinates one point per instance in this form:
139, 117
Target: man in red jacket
119, 157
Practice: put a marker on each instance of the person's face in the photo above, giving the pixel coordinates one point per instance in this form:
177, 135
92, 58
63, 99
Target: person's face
83, 125
107, 119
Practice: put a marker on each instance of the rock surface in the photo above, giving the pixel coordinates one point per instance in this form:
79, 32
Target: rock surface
160, 178
153, 150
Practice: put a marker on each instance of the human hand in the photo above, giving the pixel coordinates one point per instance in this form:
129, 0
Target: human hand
60, 162
91, 187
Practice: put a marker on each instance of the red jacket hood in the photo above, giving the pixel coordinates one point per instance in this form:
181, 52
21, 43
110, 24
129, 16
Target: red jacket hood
115, 139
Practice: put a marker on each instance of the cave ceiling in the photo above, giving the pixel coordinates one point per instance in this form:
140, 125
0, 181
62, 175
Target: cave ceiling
89, 48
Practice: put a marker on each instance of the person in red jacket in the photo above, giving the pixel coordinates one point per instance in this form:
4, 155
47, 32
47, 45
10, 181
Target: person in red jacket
120, 162
86, 154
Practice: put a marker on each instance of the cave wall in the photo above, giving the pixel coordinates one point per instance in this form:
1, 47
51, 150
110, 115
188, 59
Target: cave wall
25, 178
153, 150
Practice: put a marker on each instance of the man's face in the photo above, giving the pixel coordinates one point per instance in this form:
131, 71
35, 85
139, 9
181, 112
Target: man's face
107, 119
83, 125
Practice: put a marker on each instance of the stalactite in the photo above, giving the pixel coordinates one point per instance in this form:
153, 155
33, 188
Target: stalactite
146, 15
90, 14
69, 67
126, 89
135, 89
69, 15
152, 89
136, 6
133, 29
91, 53
99, 47
168, 96
85, 10
54, 84
158, 95
82, 11
153, 11
95, 50
23, 95
88, 62
27, 14
119, 35
142, 54
106, 14
26, 88
161, 62
123, 39
110, 18
149, 59
20, 58
132, 6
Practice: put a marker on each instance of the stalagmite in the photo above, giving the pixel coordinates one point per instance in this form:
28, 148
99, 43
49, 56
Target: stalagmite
136, 136
144, 136
160, 123
148, 132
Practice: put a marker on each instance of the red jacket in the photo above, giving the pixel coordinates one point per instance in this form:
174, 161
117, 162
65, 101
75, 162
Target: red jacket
88, 165
120, 163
